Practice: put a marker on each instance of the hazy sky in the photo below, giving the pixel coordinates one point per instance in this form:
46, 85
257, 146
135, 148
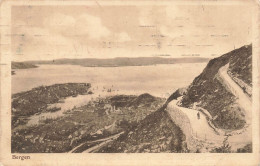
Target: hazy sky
53, 32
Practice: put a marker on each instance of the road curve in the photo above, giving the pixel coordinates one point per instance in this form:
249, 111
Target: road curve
242, 98
199, 129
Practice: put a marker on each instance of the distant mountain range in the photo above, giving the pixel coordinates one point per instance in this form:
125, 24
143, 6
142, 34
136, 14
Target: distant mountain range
22, 65
120, 61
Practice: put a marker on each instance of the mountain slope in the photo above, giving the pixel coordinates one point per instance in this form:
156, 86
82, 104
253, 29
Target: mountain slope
156, 133
208, 91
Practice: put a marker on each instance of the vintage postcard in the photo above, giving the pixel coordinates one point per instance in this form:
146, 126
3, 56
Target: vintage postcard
129, 82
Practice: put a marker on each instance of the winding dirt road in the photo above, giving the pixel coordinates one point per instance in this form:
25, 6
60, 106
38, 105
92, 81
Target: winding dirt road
242, 98
198, 130
200, 127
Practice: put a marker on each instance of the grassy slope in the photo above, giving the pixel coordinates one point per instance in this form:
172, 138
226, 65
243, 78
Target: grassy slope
208, 91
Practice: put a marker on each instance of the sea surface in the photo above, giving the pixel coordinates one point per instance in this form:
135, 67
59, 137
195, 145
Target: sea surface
158, 80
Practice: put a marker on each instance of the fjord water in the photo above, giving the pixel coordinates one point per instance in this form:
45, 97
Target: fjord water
158, 80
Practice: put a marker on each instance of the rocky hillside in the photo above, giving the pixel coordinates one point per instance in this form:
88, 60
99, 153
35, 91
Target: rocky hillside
156, 133
208, 92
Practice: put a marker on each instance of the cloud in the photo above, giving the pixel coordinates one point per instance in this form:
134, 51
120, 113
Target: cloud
81, 25
61, 35
91, 26
68, 33
145, 16
59, 19
39, 42
123, 37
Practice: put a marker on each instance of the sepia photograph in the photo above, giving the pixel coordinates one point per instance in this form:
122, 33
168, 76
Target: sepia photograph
117, 78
